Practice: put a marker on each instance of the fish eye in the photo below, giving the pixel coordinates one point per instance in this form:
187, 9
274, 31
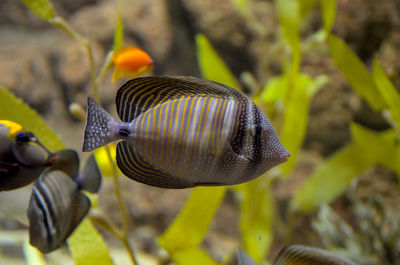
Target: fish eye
22, 138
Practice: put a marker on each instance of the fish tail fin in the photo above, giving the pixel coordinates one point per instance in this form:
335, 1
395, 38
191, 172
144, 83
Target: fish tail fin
90, 177
98, 128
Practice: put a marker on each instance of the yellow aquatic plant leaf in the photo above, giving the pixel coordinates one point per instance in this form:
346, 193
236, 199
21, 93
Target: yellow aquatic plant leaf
256, 217
328, 14
211, 66
296, 117
355, 72
193, 256
103, 160
330, 179
87, 246
388, 92
119, 29
32, 255
14, 109
289, 18
333, 177
192, 223
41, 8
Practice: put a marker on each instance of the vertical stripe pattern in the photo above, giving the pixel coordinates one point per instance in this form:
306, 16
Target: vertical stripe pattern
55, 209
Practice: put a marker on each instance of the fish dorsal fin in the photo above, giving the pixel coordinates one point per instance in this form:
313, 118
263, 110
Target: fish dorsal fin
140, 94
241, 258
90, 177
67, 161
303, 255
135, 167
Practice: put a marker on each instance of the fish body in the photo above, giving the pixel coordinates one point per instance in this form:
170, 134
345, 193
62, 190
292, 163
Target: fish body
181, 132
57, 204
22, 156
132, 62
303, 255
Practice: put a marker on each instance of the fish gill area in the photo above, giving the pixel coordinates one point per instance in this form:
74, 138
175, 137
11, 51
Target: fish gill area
49, 71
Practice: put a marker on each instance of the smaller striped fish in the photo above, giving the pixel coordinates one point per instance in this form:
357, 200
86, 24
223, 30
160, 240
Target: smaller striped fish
303, 255
294, 255
181, 132
57, 205
22, 156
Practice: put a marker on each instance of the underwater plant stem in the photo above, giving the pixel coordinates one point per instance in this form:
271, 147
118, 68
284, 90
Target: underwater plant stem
125, 220
59, 22
106, 66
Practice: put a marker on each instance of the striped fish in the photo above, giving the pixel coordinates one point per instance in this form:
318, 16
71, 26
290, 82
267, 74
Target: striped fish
57, 204
302, 255
181, 132
294, 255
22, 156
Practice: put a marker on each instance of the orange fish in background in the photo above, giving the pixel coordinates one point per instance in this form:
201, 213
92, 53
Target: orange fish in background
131, 61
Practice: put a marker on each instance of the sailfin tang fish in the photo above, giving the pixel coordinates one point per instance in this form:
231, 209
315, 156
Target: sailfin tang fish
57, 205
181, 132
22, 156
303, 255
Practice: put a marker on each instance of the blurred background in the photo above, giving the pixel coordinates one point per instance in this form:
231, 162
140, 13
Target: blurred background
49, 70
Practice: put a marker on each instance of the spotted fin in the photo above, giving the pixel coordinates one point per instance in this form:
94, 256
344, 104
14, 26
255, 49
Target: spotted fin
97, 128
134, 167
140, 94
302, 255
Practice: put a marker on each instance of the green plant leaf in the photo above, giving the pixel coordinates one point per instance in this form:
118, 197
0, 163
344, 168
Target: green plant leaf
87, 246
41, 8
274, 89
193, 256
14, 109
376, 147
328, 14
388, 92
355, 72
296, 117
289, 17
212, 67
256, 217
119, 29
333, 177
242, 6
306, 6
192, 223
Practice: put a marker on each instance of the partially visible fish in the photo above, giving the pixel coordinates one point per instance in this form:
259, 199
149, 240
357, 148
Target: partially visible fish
131, 61
303, 255
294, 255
22, 156
181, 132
241, 258
57, 205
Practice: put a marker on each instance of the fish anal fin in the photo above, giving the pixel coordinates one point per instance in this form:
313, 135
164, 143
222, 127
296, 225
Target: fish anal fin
135, 167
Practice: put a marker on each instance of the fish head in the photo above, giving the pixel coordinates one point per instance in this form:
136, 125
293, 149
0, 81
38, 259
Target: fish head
29, 151
266, 143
